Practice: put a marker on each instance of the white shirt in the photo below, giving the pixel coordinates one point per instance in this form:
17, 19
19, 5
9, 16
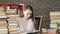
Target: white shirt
26, 28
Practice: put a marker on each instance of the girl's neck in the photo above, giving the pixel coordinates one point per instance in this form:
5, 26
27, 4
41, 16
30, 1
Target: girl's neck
26, 18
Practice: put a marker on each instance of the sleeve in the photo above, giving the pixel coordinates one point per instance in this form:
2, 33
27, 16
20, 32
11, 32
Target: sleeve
34, 26
20, 25
18, 22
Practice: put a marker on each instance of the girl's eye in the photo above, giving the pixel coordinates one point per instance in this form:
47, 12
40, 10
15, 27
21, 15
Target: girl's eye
29, 14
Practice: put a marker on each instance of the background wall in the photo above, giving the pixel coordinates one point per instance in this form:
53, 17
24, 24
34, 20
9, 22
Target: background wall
41, 7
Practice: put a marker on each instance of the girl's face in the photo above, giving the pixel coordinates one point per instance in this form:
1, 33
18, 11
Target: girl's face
27, 13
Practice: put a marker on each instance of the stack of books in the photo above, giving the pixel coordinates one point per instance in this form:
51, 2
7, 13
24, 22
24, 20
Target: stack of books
2, 14
13, 16
55, 16
8, 21
3, 31
14, 30
13, 26
3, 23
11, 12
55, 19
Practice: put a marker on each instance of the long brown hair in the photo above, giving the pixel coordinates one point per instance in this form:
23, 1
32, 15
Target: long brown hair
32, 16
30, 7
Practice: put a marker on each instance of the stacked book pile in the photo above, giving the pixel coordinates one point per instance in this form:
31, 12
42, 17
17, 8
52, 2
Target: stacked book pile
12, 21
55, 19
13, 31
8, 21
11, 12
55, 16
3, 22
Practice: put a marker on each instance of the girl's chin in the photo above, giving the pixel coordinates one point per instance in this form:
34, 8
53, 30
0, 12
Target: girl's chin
27, 17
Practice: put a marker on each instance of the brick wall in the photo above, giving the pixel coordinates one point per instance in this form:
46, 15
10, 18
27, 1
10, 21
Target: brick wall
41, 7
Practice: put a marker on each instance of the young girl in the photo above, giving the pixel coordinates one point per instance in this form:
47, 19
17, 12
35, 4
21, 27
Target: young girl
26, 24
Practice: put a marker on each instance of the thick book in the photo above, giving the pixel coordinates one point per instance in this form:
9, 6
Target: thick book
14, 30
3, 24
13, 16
1, 8
54, 13
3, 21
12, 27
14, 33
3, 27
11, 11
3, 33
12, 19
4, 30
55, 20
2, 16
55, 17
53, 25
12, 23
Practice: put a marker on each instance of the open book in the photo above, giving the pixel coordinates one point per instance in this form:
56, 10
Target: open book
30, 32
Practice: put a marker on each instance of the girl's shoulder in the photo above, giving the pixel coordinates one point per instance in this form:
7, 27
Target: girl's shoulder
20, 19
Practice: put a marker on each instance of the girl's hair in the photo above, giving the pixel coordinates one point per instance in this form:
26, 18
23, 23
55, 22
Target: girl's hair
30, 7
